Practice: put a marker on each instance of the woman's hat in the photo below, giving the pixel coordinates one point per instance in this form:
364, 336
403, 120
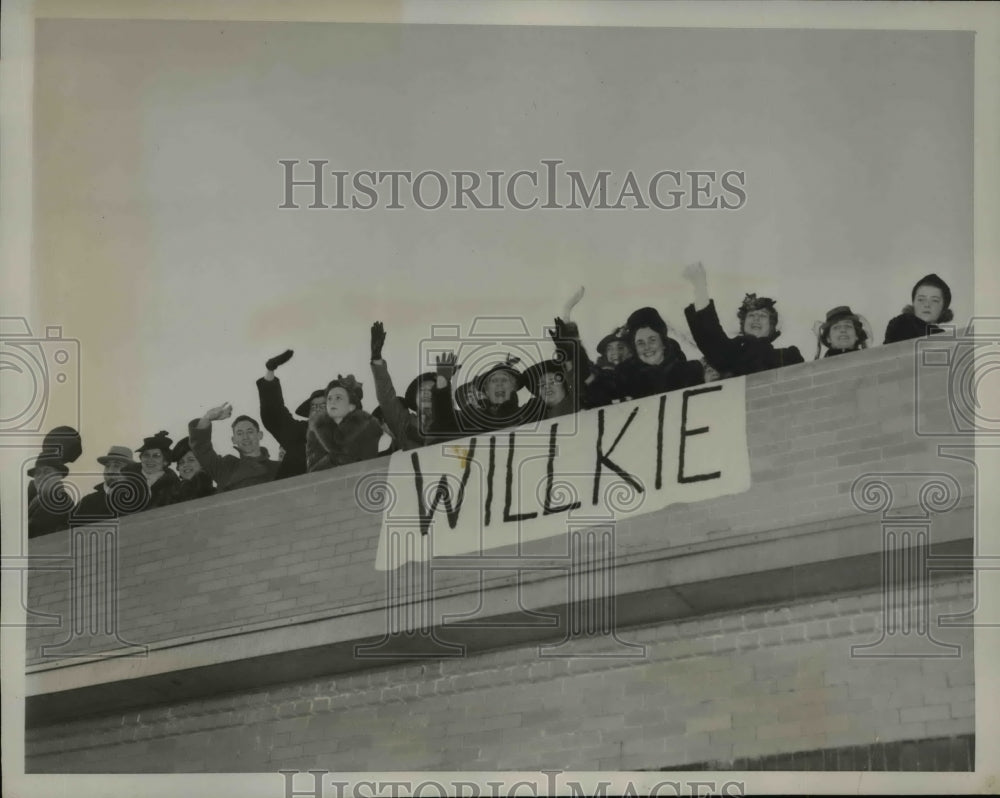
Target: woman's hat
645, 317
66, 443
349, 384
51, 462
533, 375
182, 448
506, 366
410, 398
159, 441
937, 282
620, 334
303, 409
118, 454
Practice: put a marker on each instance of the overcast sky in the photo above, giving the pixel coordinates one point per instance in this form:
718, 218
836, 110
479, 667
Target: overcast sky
160, 245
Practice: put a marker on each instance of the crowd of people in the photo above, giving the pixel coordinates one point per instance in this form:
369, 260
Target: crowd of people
331, 428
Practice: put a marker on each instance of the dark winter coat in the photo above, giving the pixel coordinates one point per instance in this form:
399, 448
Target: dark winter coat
604, 386
287, 430
493, 418
739, 356
161, 492
906, 326
199, 486
228, 471
638, 379
127, 497
45, 517
329, 444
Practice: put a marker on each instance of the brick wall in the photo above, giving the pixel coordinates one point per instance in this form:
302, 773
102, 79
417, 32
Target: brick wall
715, 689
251, 604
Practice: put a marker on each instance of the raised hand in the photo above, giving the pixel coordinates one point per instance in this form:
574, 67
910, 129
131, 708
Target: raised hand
223, 411
447, 365
572, 302
695, 273
378, 340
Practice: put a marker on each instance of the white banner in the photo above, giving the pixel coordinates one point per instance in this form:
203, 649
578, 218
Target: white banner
503, 489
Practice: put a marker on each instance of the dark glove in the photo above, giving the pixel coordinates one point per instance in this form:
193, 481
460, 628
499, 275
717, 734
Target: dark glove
446, 365
279, 360
378, 340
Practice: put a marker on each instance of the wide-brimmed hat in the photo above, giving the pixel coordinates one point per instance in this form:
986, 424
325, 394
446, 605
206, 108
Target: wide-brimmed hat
410, 398
159, 441
533, 375
506, 366
937, 282
349, 384
121, 454
303, 409
48, 460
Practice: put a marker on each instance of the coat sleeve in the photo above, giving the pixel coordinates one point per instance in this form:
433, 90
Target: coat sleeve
445, 419
718, 348
396, 417
201, 444
791, 355
275, 417
578, 363
896, 330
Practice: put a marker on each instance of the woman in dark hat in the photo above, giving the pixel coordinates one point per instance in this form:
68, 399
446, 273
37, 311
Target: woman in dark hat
192, 482
931, 303
843, 331
659, 364
154, 457
501, 408
50, 508
753, 349
345, 433
603, 385
61, 444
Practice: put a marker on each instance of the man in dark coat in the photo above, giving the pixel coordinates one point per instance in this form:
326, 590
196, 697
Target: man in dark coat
931, 298
252, 467
50, 508
290, 432
123, 492
753, 349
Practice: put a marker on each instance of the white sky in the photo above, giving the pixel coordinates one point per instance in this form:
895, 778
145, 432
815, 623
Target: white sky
159, 242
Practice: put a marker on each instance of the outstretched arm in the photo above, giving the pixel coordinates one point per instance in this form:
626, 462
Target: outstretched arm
200, 434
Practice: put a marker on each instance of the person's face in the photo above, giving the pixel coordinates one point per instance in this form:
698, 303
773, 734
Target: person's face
500, 387
153, 461
617, 352
928, 303
113, 472
46, 477
317, 407
338, 404
552, 389
425, 395
649, 346
188, 465
757, 323
247, 438
842, 335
